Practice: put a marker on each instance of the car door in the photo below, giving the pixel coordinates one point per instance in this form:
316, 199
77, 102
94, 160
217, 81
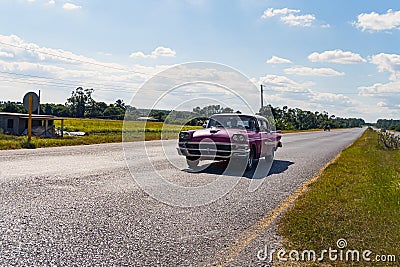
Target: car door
267, 142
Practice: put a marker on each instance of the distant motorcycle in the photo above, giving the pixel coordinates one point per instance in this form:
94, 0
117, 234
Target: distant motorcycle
327, 128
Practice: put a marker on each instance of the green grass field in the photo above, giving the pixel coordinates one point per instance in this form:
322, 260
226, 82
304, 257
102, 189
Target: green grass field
356, 198
98, 131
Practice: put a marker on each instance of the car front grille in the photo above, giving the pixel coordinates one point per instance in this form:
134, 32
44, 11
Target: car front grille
223, 150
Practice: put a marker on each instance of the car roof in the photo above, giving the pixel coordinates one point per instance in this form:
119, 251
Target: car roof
238, 114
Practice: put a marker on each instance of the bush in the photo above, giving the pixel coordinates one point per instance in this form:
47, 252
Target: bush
28, 145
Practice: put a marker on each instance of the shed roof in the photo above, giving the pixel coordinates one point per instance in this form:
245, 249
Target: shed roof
26, 116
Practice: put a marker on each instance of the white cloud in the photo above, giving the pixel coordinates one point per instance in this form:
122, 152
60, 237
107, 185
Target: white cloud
278, 60
380, 89
381, 104
290, 16
51, 2
271, 12
158, 52
31, 52
301, 20
6, 54
281, 91
336, 56
284, 84
389, 63
64, 71
70, 6
337, 99
306, 71
387, 96
378, 22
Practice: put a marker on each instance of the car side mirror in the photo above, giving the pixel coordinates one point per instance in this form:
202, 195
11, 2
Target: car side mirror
257, 129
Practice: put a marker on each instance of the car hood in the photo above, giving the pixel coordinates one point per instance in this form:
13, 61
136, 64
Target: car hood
216, 134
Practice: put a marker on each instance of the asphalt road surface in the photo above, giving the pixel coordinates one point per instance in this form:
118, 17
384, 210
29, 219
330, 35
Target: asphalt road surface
80, 205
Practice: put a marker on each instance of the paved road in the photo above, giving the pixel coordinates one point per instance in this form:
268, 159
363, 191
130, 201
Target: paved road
80, 205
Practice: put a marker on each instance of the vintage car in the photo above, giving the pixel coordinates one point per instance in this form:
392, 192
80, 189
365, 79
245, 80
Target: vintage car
230, 136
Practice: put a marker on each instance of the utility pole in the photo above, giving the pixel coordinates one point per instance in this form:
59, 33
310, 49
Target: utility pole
38, 110
262, 96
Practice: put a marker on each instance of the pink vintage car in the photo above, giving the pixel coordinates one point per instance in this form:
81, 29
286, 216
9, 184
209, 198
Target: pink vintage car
230, 136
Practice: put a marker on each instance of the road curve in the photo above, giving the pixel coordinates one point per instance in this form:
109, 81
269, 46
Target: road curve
80, 205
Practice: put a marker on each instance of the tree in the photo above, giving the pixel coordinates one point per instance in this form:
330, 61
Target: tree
113, 112
211, 109
120, 104
58, 110
160, 115
13, 107
95, 109
80, 100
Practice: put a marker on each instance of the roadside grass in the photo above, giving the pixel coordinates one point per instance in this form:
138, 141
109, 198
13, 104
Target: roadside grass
356, 198
98, 131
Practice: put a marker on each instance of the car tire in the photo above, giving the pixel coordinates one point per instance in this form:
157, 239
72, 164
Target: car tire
251, 160
192, 162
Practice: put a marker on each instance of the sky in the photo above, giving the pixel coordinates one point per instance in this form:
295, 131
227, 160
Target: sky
342, 57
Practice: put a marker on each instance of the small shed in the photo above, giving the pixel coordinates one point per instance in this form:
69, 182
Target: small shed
147, 119
17, 124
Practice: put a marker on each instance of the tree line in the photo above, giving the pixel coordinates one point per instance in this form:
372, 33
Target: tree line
298, 119
82, 105
388, 124
79, 105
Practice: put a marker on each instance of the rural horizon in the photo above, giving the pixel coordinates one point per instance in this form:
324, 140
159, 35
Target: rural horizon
159, 114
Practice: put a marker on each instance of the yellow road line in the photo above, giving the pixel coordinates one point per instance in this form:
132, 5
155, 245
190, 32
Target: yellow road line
231, 252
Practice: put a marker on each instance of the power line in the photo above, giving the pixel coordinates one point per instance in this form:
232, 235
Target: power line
91, 63
74, 59
50, 78
127, 70
66, 83
55, 84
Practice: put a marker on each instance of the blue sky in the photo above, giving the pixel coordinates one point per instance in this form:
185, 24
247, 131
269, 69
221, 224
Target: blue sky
338, 56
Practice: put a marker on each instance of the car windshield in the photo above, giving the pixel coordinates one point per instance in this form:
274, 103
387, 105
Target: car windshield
234, 121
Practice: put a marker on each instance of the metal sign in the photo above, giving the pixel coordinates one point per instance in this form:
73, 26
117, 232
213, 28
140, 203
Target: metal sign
35, 101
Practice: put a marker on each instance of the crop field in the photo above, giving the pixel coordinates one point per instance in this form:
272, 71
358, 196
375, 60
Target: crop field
98, 131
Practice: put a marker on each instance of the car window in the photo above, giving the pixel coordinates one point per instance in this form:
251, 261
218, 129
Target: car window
252, 124
234, 121
264, 125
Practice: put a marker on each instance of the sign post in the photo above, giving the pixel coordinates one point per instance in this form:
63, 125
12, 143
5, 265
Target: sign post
30, 119
31, 103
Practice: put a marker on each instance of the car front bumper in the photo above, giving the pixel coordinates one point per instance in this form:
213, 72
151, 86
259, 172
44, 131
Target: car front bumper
213, 150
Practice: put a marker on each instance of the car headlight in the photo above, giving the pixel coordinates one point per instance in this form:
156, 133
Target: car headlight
184, 136
239, 138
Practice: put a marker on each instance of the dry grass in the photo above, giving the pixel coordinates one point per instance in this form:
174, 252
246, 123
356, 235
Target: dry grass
99, 131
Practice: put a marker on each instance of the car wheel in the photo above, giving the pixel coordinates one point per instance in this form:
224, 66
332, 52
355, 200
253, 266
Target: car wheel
192, 162
251, 160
